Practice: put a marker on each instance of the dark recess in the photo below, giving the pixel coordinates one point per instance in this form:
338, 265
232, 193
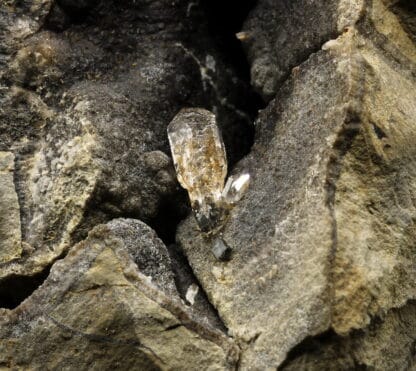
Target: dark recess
311, 345
15, 289
409, 5
184, 276
64, 13
224, 20
406, 12
171, 212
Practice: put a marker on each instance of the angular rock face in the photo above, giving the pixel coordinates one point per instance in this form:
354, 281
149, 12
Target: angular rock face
280, 35
10, 237
322, 269
85, 106
97, 311
324, 237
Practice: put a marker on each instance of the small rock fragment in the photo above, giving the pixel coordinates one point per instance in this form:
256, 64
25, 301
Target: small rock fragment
220, 249
191, 293
235, 188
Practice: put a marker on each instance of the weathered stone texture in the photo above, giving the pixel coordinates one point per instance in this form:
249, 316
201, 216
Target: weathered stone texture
85, 106
281, 35
98, 311
325, 235
323, 267
10, 234
387, 344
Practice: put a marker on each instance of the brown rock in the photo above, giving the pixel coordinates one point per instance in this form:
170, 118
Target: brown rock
97, 311
324, 237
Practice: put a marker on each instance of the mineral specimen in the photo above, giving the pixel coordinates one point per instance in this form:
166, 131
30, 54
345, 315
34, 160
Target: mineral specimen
200, 161
201, 166
220, 249
235, 188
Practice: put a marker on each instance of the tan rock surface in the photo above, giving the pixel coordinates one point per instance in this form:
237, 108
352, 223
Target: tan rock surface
10, 233
97, 311
323, 269
324, 238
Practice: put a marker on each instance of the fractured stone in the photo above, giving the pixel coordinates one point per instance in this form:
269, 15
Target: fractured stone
324, 237
10, 233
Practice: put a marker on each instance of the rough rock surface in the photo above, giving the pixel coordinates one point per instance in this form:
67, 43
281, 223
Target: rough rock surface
323, 267
98, 311
324, 238
280, 35
85, 106
10, 238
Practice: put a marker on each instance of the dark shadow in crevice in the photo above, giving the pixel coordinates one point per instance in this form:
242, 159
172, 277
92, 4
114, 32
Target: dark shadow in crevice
171, 212
65, 13
405, 10
225, 19
408, 5
326, 347
311, 345
184, 278
16, 288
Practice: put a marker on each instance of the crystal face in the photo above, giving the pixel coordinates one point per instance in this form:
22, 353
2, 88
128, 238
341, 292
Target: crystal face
235, 188
201, 166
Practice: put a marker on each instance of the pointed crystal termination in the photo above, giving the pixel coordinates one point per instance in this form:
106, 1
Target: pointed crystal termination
235, 188
200, 161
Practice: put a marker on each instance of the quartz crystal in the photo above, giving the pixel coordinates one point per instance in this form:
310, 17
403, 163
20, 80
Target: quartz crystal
201, 166
200, 161
235, 188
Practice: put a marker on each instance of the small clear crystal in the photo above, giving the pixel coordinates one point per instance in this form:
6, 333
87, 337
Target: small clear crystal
200, 161
235, 188
201, 166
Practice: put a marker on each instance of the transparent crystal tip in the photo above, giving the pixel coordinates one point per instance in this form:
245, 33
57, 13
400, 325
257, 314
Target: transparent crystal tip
235, 188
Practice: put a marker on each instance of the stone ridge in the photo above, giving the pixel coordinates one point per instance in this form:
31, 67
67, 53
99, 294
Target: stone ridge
85, 106
327, 224
10, 230
96, 302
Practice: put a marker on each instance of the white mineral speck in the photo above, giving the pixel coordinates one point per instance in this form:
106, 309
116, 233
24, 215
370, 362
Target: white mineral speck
191, 293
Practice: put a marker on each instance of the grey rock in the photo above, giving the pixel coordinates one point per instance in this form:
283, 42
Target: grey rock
280, 35
186, 280
323, 238
97, 310
387, 344
322, 271
85, 111
147, 251
220, 249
